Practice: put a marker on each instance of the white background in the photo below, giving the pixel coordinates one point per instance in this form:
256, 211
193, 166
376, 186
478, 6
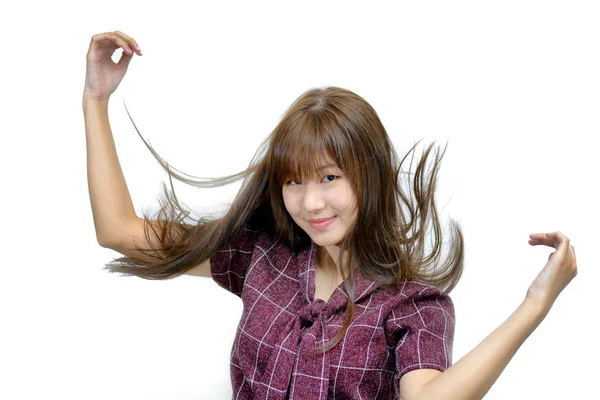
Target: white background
512, 86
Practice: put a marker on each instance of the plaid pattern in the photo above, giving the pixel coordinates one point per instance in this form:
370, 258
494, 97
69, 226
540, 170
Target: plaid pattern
393, 332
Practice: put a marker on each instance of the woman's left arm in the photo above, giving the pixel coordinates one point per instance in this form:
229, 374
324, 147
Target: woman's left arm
473, 375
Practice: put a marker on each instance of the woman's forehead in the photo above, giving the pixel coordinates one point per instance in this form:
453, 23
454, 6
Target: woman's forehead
315, 165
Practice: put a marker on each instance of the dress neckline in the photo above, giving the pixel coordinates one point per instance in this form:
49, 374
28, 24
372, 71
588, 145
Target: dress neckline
339, 297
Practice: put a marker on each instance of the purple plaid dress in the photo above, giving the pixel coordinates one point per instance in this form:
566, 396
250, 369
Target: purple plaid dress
393, 332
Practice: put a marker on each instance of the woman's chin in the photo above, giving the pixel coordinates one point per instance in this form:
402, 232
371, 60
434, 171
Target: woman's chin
324, 242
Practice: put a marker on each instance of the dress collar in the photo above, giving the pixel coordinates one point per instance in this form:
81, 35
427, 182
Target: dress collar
307, 261
293, 372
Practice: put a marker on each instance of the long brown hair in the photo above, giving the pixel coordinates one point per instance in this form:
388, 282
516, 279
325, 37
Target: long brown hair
386, 244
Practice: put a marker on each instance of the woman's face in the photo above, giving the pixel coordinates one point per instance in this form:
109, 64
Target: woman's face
327, 197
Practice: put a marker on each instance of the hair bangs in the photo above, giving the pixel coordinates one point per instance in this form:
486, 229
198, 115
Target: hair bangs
303, 149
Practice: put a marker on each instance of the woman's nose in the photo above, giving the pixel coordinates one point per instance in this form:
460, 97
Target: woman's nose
313, 199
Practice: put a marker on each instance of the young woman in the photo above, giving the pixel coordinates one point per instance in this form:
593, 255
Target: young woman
340, 297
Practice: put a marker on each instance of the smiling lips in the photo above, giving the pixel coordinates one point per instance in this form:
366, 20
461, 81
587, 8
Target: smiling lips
321, 223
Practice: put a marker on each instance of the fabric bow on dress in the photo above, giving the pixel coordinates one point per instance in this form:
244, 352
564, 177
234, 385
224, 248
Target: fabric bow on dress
300, 374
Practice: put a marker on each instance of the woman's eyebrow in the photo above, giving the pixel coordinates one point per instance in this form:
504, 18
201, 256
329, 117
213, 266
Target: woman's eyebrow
326, 166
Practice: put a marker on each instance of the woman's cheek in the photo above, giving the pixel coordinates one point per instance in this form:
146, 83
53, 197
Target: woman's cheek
288, 201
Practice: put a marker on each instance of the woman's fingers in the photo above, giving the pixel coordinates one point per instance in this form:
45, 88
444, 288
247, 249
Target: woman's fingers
102, 74
553, 239
560, 242
129, 40
539, 235
537, 238
120, 42
560, 269
119, 39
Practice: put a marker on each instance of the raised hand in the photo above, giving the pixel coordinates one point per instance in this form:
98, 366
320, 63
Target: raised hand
103, 75
560, 269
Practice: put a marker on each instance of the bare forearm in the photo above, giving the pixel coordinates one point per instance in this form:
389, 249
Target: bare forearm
109, 196
473, 375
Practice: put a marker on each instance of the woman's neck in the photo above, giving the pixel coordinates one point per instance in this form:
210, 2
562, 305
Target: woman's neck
327, 257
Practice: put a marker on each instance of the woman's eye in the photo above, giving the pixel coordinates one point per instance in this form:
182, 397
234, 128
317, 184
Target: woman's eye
326, 178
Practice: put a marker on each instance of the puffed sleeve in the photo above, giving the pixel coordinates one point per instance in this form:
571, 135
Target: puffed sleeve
420, 329
229, 265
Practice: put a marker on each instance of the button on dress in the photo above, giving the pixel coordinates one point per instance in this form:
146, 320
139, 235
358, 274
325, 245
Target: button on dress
392, 332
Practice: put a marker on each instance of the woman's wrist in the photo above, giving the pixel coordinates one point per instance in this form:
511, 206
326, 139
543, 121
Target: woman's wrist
91, 100
88, 96
538, 307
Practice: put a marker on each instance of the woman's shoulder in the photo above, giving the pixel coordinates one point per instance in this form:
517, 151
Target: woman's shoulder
255, 236
411, 287
419, 287
416, 291
421, 303
263, 240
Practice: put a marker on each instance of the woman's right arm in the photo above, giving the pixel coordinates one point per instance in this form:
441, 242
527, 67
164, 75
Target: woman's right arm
111, 203
116, 223
112, 207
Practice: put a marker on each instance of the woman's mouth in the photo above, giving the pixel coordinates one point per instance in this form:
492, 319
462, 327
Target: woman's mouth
321, 223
